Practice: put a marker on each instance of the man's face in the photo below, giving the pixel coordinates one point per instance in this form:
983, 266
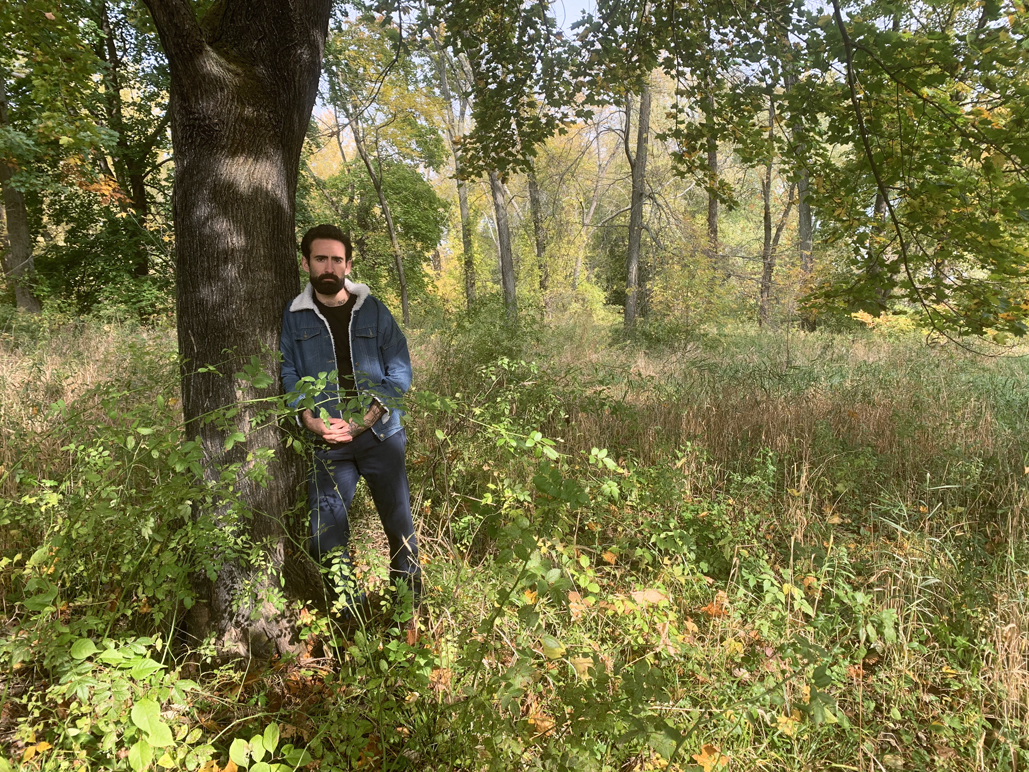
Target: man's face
327, 266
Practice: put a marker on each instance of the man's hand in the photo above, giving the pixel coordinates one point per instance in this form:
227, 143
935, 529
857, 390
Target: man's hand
340, 430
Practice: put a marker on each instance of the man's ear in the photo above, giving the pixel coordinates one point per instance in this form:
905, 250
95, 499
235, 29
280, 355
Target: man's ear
305, 263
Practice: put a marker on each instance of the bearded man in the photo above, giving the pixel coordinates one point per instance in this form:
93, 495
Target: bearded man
343, 348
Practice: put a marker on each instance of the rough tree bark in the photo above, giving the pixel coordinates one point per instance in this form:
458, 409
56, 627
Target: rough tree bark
16, 259
506, 254
638, 164
243, 83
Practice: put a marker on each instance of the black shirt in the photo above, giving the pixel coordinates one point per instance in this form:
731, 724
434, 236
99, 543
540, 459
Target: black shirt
338, 318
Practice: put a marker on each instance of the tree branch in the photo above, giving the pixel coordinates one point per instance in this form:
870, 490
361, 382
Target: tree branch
178, 29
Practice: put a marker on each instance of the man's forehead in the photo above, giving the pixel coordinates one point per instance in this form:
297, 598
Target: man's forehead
327, 248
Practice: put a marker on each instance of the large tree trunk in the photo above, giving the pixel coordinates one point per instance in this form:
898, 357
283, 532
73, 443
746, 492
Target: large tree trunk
639, 171
17, 259
539, 233
506, 254
243, 83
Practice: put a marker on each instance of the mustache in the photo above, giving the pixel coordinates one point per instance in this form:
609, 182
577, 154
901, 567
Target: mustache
328, 281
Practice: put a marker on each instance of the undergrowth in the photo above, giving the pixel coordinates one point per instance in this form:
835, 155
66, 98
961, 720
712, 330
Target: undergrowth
753, 551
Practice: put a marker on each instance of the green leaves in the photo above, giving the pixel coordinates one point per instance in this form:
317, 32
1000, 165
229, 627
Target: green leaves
146, 715
82, 648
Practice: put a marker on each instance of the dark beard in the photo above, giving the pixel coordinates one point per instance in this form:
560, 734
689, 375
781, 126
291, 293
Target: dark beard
327, 284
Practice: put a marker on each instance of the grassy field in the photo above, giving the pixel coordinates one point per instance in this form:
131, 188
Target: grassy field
746, 551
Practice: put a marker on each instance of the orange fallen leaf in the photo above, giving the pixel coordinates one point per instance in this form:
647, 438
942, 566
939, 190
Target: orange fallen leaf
717, 607
575, 605
710, 758
609, 557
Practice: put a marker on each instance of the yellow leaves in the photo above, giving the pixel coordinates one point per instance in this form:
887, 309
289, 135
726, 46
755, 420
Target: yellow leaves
710, 758
789, 725
33, 750
609, 557
212, 766
530, 596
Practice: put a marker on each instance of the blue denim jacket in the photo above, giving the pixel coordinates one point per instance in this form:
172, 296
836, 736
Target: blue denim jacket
382, 364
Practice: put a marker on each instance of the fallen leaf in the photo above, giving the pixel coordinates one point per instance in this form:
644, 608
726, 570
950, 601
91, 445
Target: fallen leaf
575, 605
582, 666
541, 722
710, 758
609, 557
49, 15
717, 607
651, 597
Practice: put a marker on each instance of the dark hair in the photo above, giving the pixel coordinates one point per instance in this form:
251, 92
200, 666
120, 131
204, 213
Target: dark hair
326, 232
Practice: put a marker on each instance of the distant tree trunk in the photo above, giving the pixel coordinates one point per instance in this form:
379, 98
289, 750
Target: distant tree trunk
712, 181
18, 263
467, 245
770, 244
506, 255
638, 164
538, 232
875, 266
243, 83
805, 232
376, 178
130, 157
454, 126
805, 236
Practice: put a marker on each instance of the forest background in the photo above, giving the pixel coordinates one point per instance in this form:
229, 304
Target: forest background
717, 434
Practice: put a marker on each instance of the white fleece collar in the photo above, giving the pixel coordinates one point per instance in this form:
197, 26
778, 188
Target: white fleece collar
305, 300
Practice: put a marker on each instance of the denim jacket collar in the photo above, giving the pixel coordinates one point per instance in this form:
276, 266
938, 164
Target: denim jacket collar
305, 300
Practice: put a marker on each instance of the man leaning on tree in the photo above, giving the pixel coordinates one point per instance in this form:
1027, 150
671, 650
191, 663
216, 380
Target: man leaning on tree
337, 327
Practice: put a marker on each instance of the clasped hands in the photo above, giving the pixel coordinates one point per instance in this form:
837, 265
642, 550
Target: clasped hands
340, 430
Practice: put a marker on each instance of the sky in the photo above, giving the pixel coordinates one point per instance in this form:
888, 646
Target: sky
568, 12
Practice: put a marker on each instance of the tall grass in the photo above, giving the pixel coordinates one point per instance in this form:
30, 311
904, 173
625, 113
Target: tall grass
748, 551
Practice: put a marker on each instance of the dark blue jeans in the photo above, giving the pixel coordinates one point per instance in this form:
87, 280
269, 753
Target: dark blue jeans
331, 491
